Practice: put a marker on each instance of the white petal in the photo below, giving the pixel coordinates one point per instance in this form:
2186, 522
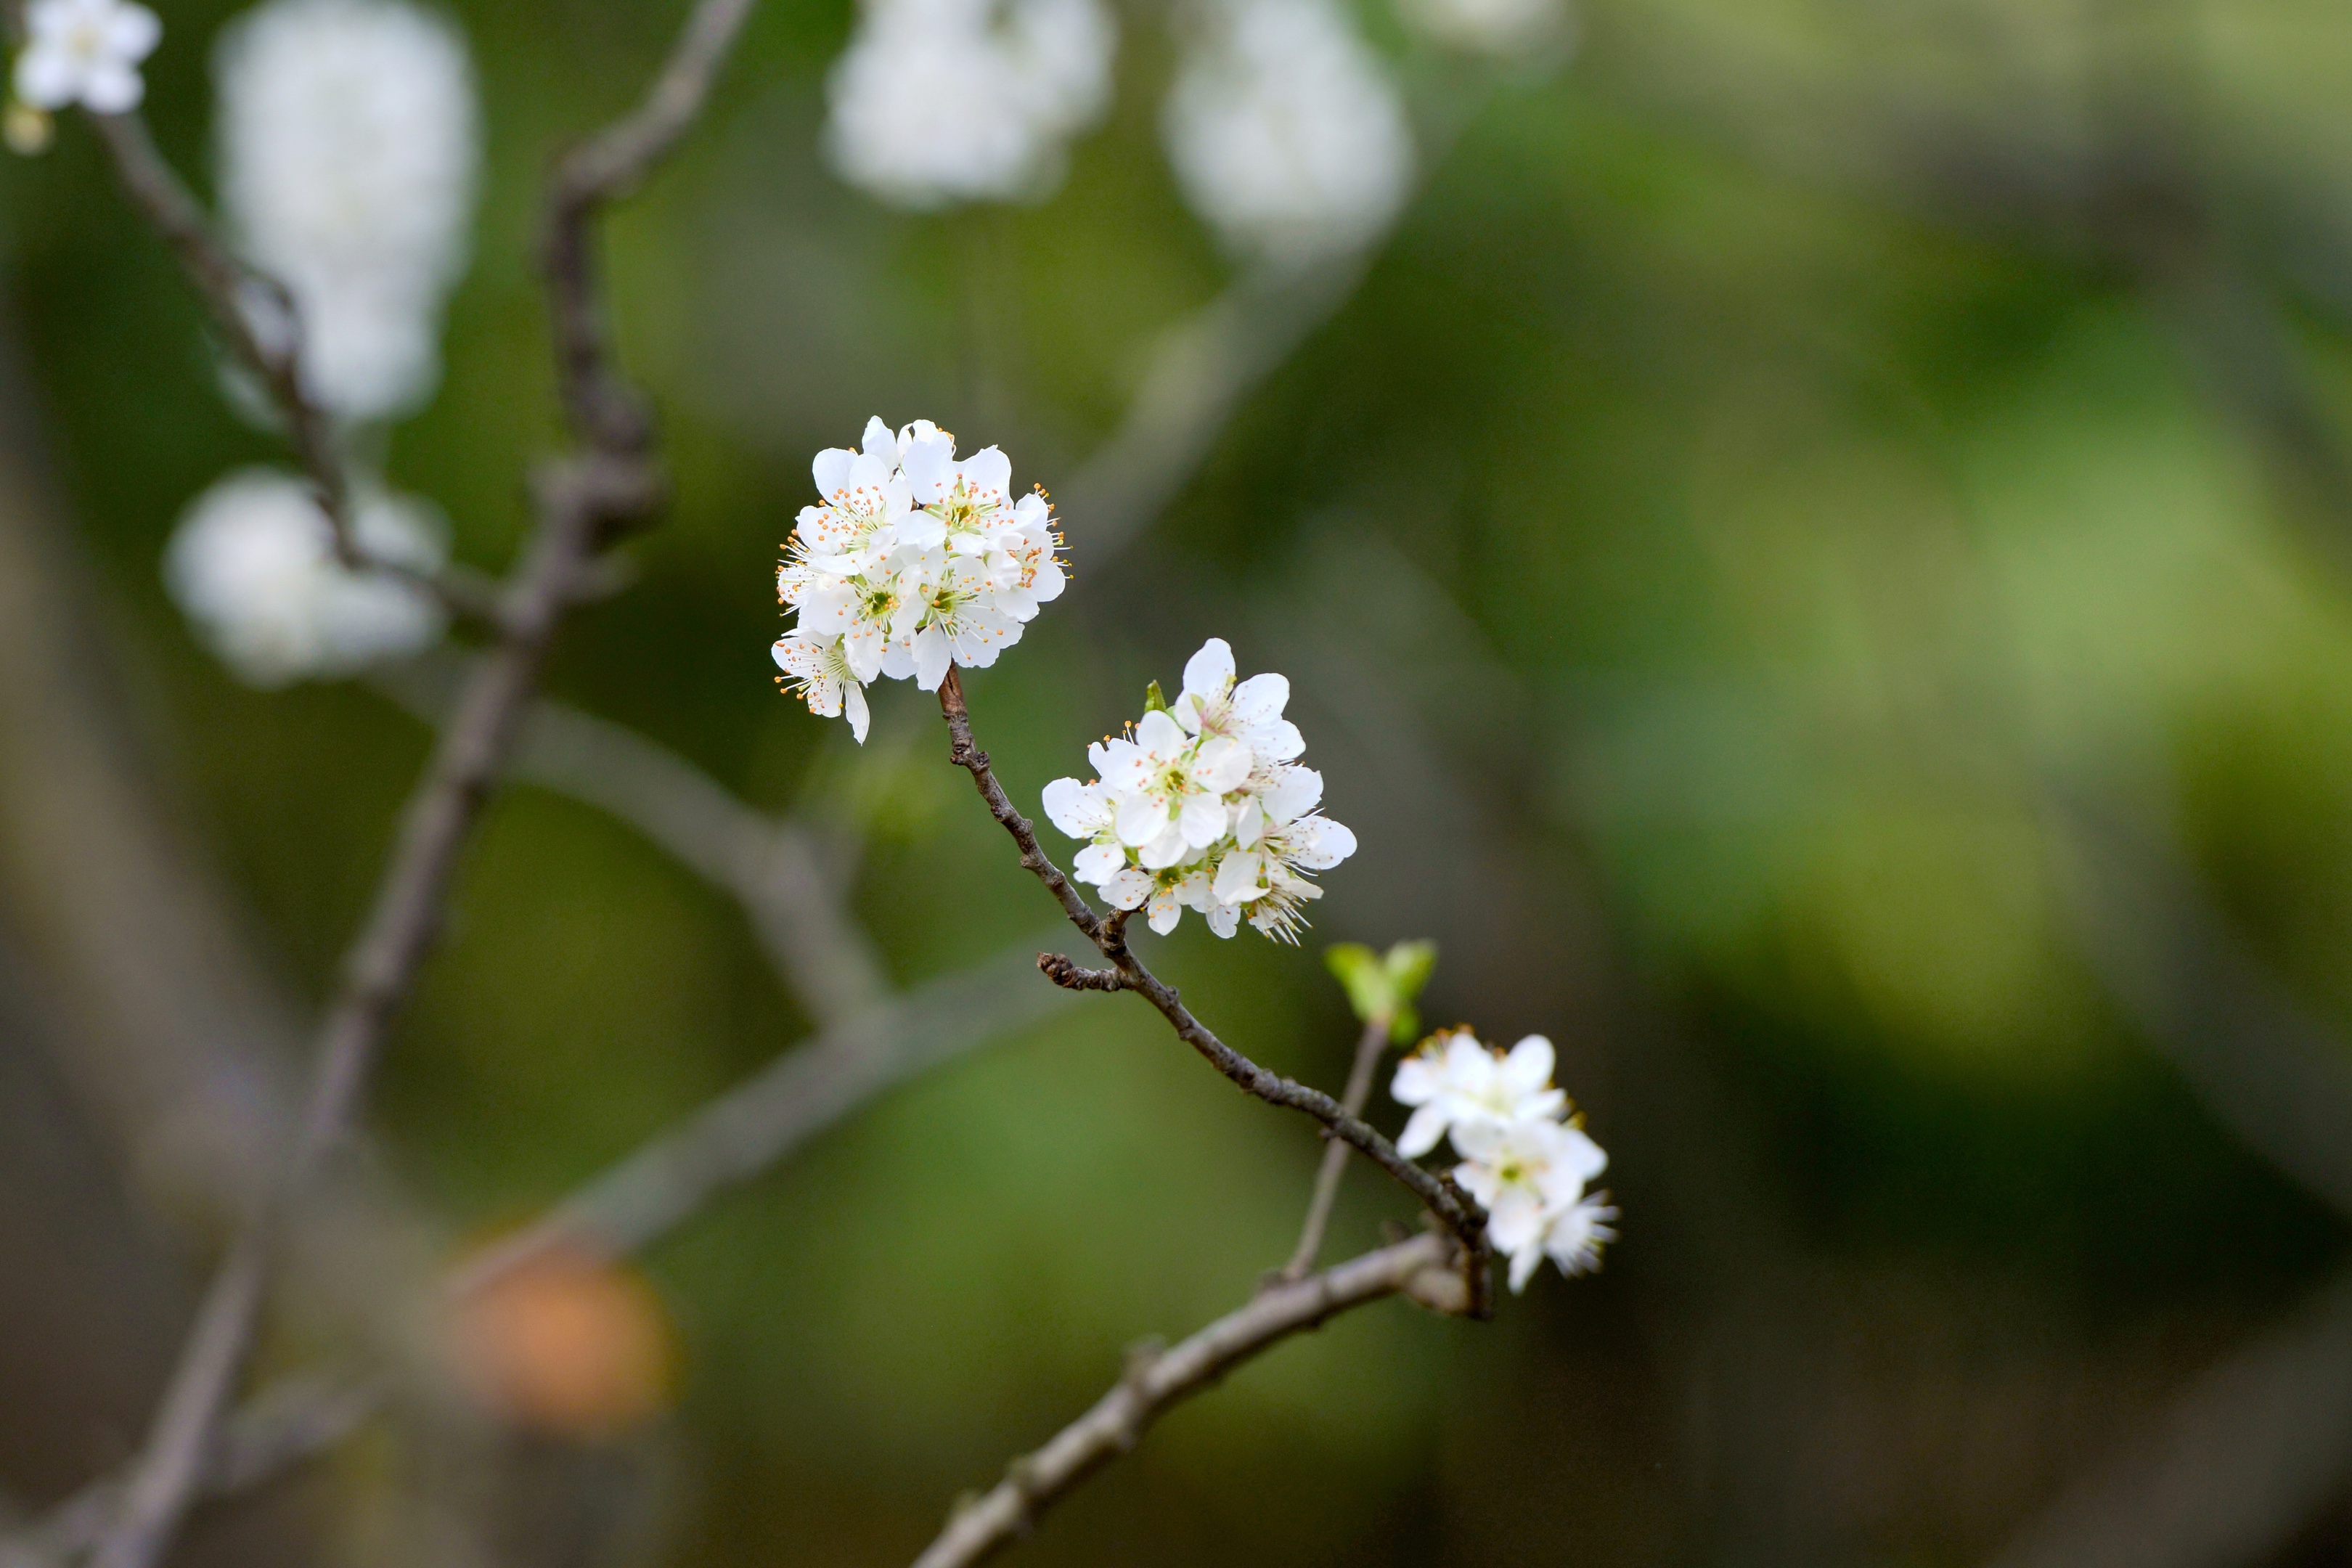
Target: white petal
1141, 818
1096, 863
1159, 735
1222, 765
1523, 1266
1128, 889
1202, 820
931, 658
1329, 844
1291, 793
1514, 1220
1237, 879
46, 78
930, 467
853, 699
1208, 672
1278, 741
1072, 808
831, 471
1260, 698
988, 470
1416, 1081
132, 33
1165, 851
1530, 1065
110, 87
1421, 1132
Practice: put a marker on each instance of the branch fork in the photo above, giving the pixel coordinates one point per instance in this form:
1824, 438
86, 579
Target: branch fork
1439, 1195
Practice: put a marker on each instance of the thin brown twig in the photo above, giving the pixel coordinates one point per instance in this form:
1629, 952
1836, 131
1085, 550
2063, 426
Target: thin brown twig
608, 166
1438, 1194
582, 503
235, 293
1423, 1267
1369, 1047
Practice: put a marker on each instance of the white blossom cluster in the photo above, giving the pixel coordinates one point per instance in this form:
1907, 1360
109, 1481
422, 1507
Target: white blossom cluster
1285, 134
253, 564
939, 101
348, 147
1203, 806
911, 562
1524, 1158
86, 52
348, 150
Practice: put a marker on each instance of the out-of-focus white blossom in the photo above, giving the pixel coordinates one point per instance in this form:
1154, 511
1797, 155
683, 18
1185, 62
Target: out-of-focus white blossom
1452, 1081
940, 102
1525, 1175
913, 561
348, 150
1201, 807
1523, 1158
1284, 131
86, 52
1516, 30
253, 564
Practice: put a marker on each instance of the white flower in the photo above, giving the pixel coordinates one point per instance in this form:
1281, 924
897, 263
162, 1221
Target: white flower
1453, 1082
817, 668
86, 52
939, 101
1507, 29
1251, 712
1573, 1237
253, 565
1285, 134
1170, 788
1086, 812
912, 562
348, 150
946, 614
1266, 879
1524, 1174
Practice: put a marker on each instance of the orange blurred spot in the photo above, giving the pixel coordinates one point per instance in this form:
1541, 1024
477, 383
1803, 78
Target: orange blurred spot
567, 1343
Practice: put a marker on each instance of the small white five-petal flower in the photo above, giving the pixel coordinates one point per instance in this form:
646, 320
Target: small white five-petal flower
86, 52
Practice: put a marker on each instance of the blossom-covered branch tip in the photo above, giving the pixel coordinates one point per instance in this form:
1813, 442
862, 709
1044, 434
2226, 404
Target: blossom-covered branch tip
910, 562
1201, 804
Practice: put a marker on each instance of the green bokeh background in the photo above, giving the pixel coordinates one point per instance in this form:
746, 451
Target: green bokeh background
1776, 458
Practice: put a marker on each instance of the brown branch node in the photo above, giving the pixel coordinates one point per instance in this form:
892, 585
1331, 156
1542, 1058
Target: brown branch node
1070, 976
